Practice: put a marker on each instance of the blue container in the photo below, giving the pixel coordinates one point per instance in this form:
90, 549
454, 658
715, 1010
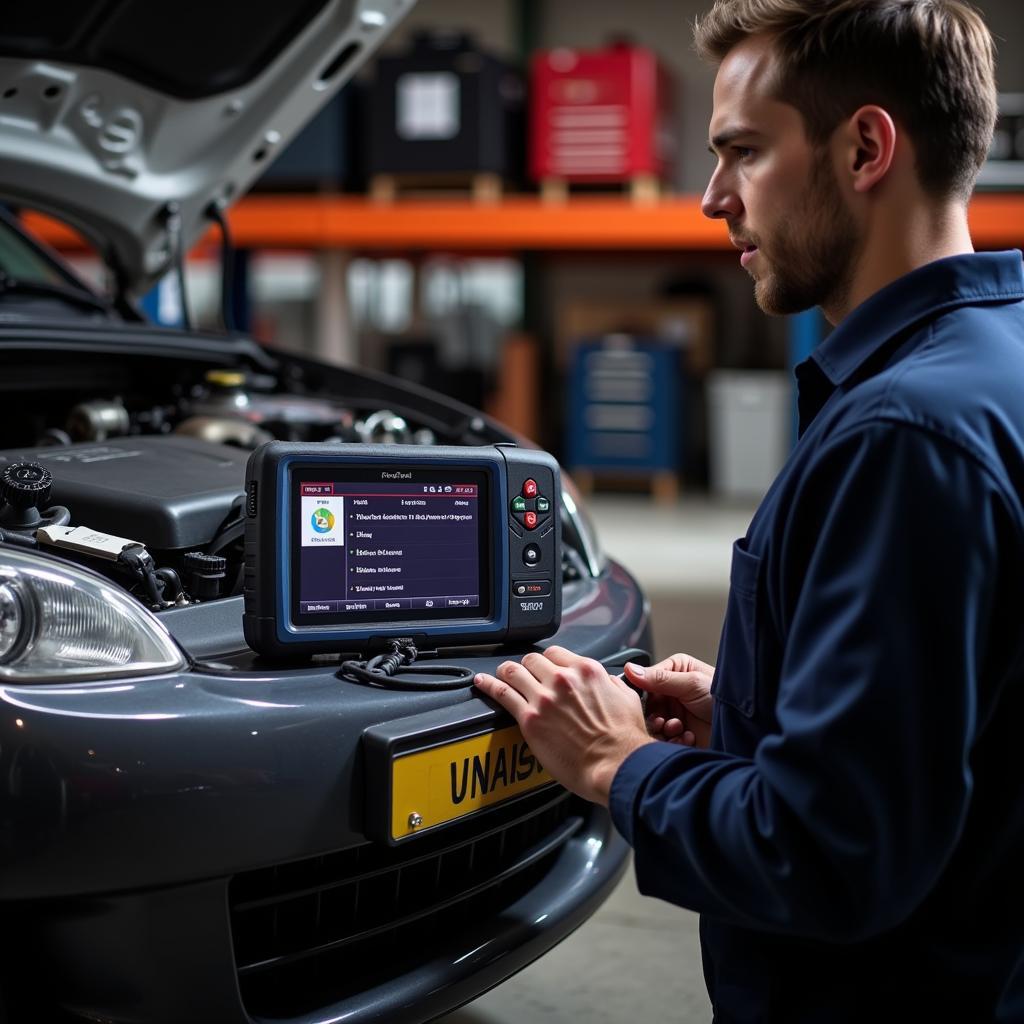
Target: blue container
625, 398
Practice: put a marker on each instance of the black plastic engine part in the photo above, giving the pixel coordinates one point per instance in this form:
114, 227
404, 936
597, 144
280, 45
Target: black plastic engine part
24, 489
170, 493
24, 492
205, 574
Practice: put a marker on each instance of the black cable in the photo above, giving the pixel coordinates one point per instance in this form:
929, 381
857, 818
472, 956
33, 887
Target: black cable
226, 536
215, 211
13, 537
170, 582
140, 564
186, 317
172, 221
380, 670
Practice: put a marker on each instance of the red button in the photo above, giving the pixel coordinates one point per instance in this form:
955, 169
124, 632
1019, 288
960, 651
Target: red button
530, 519
530, 489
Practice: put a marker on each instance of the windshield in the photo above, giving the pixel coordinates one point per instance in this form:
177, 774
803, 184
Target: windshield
21, 260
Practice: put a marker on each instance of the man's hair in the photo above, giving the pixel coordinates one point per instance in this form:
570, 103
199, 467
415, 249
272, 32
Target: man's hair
929, 63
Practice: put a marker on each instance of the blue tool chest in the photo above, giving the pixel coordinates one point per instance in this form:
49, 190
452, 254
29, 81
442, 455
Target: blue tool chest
624, 405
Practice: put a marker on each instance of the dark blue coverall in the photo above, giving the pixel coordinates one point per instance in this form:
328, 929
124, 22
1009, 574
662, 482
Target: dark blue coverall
854, 837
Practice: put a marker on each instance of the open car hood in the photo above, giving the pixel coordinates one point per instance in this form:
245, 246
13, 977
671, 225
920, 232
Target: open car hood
112, 109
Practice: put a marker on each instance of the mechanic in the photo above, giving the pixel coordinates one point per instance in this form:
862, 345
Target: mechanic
841, 799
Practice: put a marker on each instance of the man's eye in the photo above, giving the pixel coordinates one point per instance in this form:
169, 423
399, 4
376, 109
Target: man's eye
743, 152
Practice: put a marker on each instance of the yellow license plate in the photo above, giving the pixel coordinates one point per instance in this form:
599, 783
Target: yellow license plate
441, 784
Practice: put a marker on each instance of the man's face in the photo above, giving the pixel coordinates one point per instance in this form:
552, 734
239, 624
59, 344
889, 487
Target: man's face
776, 191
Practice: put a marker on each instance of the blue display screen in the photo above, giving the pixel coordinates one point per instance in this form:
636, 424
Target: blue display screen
411, 546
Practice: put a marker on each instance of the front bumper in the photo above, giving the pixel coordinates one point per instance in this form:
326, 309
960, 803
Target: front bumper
128, 808
164, 956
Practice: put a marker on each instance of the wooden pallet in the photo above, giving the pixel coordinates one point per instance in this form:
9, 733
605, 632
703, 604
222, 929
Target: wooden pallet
483, 188
664, 485
643, 189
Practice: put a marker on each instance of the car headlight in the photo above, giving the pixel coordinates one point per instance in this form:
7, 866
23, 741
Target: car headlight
578, 528
59, 622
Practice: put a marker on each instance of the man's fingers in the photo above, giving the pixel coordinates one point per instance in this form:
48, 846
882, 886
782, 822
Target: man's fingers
589, 670
681, 663
539, 667
507, 696
560, 656
674, 664
684, 686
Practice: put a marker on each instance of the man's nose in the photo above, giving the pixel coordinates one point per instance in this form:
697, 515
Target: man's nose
719, 200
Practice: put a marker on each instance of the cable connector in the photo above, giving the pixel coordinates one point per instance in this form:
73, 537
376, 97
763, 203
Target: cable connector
400, 653
139, 563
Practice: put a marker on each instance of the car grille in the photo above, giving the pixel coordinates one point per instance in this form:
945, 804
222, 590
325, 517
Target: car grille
310, 933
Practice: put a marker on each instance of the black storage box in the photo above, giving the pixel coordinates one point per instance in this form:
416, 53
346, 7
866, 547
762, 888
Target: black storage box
419, 360
445, 108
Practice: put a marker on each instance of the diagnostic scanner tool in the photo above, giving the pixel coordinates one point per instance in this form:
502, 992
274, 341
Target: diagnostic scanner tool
350, 546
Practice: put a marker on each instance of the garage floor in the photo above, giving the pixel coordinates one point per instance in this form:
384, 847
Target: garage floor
637, 958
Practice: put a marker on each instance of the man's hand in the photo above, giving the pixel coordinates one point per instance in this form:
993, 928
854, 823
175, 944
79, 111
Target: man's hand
679, 702
580, 722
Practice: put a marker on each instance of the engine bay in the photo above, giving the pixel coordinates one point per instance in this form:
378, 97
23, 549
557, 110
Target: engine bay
147, 449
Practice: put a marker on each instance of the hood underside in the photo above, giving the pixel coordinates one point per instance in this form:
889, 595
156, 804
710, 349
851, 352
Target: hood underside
111, 110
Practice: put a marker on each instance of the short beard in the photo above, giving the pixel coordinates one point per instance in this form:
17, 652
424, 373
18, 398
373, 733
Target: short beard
814, 252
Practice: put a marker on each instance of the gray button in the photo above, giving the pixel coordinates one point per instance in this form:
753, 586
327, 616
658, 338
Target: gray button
531, 554
357, 606
318, 607
467, 601
394, 604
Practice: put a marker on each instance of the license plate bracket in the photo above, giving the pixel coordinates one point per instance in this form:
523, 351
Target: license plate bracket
432, 770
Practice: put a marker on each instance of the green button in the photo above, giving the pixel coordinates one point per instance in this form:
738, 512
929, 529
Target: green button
518, 504
543, 505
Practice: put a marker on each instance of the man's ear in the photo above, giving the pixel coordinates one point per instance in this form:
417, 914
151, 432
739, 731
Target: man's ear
868, 147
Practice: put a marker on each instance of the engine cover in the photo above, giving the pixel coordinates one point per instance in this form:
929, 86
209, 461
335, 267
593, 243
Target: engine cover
169, 492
